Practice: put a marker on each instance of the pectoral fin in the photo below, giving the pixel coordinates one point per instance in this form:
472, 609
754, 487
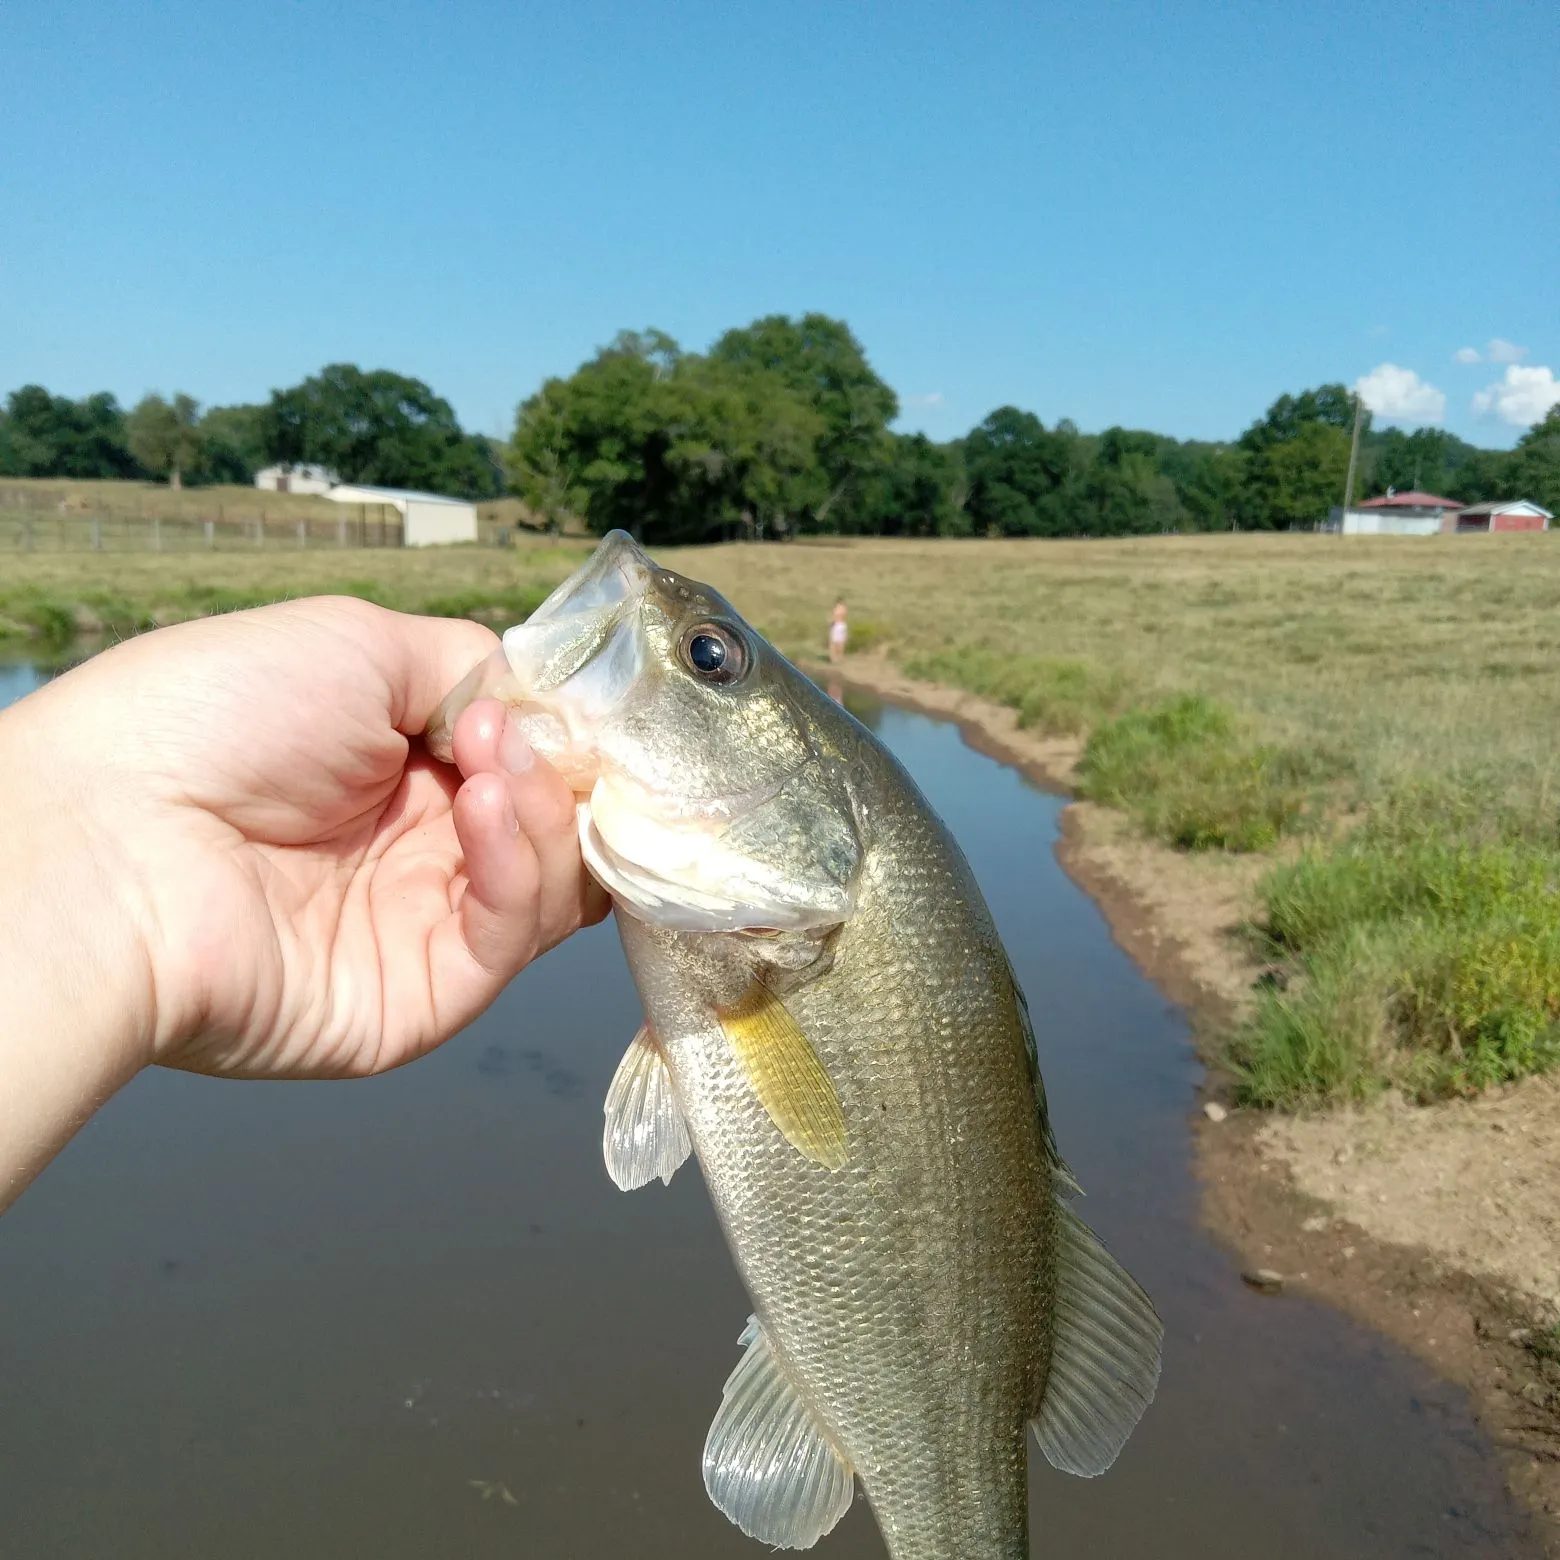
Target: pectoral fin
645, 1135
1105, 1357
786, 1075
768, 1465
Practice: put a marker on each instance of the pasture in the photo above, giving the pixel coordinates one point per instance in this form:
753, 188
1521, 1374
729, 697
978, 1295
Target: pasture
1383, 715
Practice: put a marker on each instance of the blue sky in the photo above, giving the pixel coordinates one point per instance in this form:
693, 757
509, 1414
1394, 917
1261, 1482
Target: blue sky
1155, 215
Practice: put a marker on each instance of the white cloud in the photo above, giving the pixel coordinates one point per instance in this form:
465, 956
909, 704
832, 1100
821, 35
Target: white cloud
1467, 355
1400, 395
1522, 397
925, 401
1500, 351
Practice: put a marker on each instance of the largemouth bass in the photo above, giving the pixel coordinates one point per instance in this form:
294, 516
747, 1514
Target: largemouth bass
833, 1027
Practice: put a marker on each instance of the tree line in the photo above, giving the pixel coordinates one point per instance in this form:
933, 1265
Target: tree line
781, 428
374, 427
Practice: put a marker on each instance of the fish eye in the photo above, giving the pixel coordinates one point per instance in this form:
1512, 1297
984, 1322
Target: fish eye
713, 653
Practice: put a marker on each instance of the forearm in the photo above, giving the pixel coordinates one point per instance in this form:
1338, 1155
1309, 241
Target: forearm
75, 991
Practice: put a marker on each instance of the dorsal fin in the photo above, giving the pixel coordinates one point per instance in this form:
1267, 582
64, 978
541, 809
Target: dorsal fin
767, 1464
1104, 1356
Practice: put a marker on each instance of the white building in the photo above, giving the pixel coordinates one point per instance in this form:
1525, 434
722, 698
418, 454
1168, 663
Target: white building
1381, 522
295, 479
426, 519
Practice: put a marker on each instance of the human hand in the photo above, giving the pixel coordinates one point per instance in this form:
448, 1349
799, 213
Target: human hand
227, 842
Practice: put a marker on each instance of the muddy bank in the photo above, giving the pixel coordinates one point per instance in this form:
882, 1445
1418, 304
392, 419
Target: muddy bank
1440, 1226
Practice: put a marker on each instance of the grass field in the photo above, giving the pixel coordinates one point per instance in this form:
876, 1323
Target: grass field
1390, 708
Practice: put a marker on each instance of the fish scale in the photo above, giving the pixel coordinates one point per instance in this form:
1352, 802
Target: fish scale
906, 1292
834, 1030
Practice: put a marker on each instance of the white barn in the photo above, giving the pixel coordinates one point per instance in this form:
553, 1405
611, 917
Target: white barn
427, 519
295, 479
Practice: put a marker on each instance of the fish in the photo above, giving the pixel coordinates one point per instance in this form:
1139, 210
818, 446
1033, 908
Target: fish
834, 1030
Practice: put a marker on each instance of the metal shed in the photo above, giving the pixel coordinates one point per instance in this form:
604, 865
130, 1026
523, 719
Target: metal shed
427, 519
1512, 514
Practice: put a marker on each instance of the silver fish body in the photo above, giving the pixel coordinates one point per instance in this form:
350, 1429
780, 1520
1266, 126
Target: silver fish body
834, 1027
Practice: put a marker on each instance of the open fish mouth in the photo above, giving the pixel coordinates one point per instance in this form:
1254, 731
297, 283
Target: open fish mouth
566, 673
583, 639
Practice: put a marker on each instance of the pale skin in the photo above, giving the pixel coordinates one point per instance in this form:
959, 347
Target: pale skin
222, 849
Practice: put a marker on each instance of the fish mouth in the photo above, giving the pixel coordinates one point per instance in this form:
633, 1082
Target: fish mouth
583, 637
563, 673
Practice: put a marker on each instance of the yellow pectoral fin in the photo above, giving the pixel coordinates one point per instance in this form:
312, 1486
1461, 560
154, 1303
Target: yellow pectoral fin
786, 1075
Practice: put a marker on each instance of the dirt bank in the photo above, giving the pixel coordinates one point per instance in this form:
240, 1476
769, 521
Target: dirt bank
1438, 1226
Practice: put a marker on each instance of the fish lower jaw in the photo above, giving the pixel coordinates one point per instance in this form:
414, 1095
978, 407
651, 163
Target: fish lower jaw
675, 902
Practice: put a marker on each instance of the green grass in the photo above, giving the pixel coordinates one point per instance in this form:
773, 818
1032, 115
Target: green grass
1051, 693
1185, 770
51, 598
1421, 959
1388, 707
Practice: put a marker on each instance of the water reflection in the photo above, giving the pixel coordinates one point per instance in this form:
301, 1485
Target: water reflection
411, 1316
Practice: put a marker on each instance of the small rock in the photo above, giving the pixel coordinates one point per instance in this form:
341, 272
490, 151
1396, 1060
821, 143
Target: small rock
1314, 1225
1214, 1111
1342, 1156
1519, 1335
1348, 1251
1264, 1280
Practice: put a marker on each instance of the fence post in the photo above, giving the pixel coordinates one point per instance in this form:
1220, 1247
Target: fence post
97, 533
260, 530
156, 533
26, 533
341, 528
210, 528
303, 533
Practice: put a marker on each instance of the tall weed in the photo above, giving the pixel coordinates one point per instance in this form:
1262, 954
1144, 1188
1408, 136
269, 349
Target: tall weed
1430, 964
1182, 768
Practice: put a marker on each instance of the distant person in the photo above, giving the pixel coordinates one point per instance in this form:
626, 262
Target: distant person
839, 632
225, 850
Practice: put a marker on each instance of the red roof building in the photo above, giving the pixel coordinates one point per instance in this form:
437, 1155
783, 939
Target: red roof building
1421, 503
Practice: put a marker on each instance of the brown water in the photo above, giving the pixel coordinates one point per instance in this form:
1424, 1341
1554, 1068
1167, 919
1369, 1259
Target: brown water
412, 1317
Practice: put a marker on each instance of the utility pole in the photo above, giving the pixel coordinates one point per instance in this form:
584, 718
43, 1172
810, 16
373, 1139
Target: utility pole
1354, 455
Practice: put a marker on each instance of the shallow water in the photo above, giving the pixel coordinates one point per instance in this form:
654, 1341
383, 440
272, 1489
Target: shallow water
411, 1316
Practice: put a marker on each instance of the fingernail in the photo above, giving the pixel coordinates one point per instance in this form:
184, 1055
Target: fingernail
514, 748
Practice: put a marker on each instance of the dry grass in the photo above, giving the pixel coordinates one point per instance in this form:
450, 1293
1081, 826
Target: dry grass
1393, 657
1381, 692
54, 594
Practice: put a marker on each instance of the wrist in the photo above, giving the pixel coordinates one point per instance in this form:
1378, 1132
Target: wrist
78, 1012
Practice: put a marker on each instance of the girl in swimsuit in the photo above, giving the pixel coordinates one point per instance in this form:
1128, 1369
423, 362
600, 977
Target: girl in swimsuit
839, 632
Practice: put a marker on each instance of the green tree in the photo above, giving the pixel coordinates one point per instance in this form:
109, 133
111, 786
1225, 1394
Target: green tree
43, 435
1018, 474
1332, 406
1128, 493
595, 444
822, 363
1428, 460
164, 436
1535, 463
377, 427
1298, 480
919, 489
231, 444
1212, 482
745, 450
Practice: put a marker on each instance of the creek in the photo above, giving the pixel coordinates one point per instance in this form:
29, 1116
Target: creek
411, 1316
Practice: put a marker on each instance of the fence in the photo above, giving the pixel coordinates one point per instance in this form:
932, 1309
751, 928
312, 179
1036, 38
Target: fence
365, 525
